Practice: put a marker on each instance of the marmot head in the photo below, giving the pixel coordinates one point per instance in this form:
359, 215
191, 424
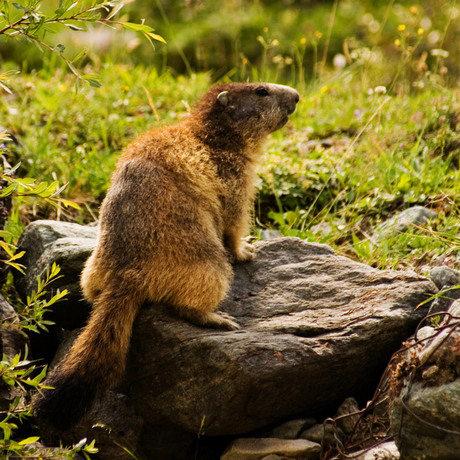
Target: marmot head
251, 110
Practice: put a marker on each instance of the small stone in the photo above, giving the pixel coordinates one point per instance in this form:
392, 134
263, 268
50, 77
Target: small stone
323, 229
430, 372
258, 448
292, 429
445, 276
454, 309
385, 451
348, 417
269, 234
325, 435
417, 215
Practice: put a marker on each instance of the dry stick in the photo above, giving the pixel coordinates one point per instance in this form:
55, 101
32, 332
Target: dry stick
151, 104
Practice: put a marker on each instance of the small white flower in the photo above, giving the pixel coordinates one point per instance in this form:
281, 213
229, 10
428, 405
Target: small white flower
380, 90
440, 52
339, 61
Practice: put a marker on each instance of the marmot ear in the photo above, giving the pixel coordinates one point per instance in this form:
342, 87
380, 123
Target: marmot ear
223, 98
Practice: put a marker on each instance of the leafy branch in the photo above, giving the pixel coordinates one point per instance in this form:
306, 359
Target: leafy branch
25, 19
19, 373
30, 315
31, 187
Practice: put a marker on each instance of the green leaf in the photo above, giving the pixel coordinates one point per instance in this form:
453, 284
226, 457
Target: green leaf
8, 190
30, 440
137, 27
18, 255
8, 380
68, 203
38, 189
79, 56
73, 27
19, 7
25, 181
93, 80
20, 268
156, 37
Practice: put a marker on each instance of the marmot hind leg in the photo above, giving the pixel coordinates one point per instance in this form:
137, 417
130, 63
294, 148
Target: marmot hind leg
90, 280
201, 293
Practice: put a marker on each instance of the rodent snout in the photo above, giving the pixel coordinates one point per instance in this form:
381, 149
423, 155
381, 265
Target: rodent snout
293, 103
294, 99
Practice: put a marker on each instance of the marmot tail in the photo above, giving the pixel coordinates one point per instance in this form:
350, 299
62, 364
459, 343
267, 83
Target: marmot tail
94, 364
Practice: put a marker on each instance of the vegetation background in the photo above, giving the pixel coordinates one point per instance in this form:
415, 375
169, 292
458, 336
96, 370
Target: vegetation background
377, 130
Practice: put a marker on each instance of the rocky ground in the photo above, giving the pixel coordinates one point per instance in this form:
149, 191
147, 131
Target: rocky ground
314, 371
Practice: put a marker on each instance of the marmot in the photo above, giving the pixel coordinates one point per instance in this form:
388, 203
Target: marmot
170, 226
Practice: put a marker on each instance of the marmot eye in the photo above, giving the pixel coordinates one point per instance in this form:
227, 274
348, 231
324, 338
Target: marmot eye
262, 92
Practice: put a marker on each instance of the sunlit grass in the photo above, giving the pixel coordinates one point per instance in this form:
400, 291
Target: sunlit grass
376, 131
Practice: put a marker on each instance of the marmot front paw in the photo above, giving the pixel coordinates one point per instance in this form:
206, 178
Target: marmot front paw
245, 251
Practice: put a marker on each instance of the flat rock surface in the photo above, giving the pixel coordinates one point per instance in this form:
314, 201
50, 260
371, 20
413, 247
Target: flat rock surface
316, 327
256, 448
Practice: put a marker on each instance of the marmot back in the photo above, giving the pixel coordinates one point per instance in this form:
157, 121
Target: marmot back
170, 226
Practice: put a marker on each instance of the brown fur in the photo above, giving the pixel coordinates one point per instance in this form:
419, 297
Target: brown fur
171, 224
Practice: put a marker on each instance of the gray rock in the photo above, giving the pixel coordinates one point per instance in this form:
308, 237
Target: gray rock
385, 451
310, 324
291, 429
454, 310
323, 434
447, 280
444, 276
425, 415
12, 341
323, 229
417, 215
347, 415
112, 422
68, 245
257, 448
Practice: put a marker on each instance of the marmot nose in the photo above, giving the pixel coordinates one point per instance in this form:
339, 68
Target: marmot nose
293, 103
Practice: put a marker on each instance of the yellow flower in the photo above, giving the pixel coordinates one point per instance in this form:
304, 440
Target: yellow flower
413, 9
275, 42
318, 34
420, 31
324, 89
265, 29
401, 27
303, 41
398, 42
125, 88
244, 61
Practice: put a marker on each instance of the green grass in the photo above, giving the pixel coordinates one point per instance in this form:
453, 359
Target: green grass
347, 158
352, 156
